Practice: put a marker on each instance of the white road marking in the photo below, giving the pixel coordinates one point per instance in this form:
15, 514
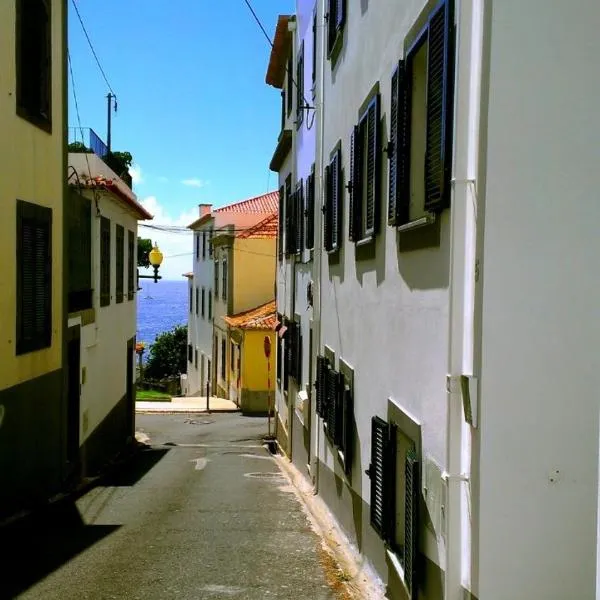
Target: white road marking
200, 463
257, 456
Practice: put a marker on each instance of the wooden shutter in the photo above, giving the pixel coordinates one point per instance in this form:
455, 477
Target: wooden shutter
399, 200
355, 187
290, 342
321, 385
120, 262
314, 47
382, 476
197, 300
334, 207
300, 86
290, 236
281, 221
309, 238
347, 434
340, 14
332, 403
34, 277
299, 209
190, 353
411, 523
439, 102
104, 261
191, 299
331, 24
373, 173
130, 264
327, 211
340, 387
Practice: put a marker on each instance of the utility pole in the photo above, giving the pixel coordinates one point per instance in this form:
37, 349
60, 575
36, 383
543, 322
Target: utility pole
110, 97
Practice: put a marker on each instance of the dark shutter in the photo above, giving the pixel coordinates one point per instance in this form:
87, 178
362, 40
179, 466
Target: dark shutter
331, 24
120, 262
333, 213
347, 435
338, 430
197, 300
79, 252
439, 102
327, 210
411, 523
290, 342
191, 299
299, 208
190, 353
300, 86
34, 277
314, 48
382, 476
298, 349
290, 83
402, 154
309, 238
130, 264
321, 385
279, 348
197, 246
331, 404
355, 187
210, 304
373, 173
281, 222
104, 261
290, 237
340, 15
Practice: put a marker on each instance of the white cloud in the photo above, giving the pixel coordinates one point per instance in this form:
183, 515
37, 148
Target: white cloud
193, 182
136, 174
177, 247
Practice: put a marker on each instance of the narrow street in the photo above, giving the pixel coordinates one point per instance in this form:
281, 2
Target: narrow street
203, 513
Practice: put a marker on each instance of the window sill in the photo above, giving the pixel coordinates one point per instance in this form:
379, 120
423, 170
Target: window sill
395, 563
41, 122
428, 219
365, 241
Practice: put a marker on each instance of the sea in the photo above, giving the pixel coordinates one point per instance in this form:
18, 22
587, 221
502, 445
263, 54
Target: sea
160, 306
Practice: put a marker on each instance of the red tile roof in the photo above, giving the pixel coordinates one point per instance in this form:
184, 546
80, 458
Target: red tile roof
189, 274
262, 317
267, 203
267, 228
282, 43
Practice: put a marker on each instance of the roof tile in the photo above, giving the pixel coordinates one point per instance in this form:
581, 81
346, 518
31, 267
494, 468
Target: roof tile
261, 317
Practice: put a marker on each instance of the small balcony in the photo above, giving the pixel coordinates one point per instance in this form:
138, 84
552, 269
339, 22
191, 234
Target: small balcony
85, 139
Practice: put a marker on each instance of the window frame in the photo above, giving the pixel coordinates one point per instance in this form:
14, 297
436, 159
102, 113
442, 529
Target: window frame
333, 212
336, 14
119, 263
81, 289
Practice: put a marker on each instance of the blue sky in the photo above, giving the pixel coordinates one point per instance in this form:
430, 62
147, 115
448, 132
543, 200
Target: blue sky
193, 106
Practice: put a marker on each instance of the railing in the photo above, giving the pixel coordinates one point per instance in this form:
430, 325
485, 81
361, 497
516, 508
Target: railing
89, 140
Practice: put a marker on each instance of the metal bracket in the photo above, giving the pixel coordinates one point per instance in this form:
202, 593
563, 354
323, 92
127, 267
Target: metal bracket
466, 386
455, 476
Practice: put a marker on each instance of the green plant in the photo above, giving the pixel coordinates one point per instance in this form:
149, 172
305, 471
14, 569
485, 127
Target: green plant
144, 248
78, 147
168, 354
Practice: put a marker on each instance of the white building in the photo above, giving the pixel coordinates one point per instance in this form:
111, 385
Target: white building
201, 282
103, 221
454, 428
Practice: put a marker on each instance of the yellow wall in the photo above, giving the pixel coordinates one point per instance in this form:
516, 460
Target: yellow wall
31, 169
253, 273
254, 362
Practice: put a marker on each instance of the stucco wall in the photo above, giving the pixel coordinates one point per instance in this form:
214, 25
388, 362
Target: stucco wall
32, 169
253, 272
540, 327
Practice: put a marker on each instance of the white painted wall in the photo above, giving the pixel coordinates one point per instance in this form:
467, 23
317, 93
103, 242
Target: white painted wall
540, 326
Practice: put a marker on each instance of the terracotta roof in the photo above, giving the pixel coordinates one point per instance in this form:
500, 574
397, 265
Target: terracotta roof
189, 275
261, 317
267, 228
279, 54
267, 203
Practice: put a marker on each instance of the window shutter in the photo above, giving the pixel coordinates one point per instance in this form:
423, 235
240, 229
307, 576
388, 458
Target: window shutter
332, 403
281, 221
373, 168
290, 217
300, 86
299, 216
347, 427
120, 262
279, 351
327, 210
197, 301
321, 385
340, 14
290, 341
331, 24
131, 264
340, 388
411, 523
381, 476
310, 211
355, 195
437, 155
104, 261
335, 202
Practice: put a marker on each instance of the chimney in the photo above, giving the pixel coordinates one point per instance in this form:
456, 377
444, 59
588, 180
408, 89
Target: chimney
205, 209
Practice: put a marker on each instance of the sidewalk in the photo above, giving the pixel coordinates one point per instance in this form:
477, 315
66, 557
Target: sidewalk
186, 404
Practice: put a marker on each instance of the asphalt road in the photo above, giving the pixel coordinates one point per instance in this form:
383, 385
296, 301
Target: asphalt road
204, 513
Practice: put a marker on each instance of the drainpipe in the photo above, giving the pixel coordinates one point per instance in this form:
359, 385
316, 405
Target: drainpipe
318, 250
461, 339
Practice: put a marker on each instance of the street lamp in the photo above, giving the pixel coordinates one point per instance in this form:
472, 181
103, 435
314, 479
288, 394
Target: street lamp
155, 257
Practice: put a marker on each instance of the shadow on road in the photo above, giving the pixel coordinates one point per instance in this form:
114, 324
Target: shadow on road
131, 471
35, 547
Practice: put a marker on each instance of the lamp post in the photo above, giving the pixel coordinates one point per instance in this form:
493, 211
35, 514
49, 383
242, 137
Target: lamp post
155, 257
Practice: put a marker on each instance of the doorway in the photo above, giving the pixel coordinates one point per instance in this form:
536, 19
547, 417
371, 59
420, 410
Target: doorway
130, 390
73, 400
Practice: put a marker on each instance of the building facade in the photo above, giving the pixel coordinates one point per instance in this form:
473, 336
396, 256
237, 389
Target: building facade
32, 237
449, 289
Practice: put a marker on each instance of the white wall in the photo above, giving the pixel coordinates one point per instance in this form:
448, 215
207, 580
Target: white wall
540, 326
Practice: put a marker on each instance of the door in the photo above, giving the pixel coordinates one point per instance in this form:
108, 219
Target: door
130, 424
73, 400
201, 383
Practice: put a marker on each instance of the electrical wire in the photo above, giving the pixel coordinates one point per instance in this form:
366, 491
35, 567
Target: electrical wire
92, 47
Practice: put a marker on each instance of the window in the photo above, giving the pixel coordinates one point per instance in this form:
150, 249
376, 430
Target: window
421, 123
203, 245
281, 222
309, 211
80, 252
34, 61
279, 347
203, 297
190, 353
395, 491
298, 218
120, 262
290, 83
210, 246
294, 350
223, 358
191, 297
210, 304
365, 174
196, 358
224, 284
332, 209
290, 236
197, 246
216, 282
282, 110
336, 17
130, 265
300, 86
314, 50
232, 357
34, 277
197, 300
104, 261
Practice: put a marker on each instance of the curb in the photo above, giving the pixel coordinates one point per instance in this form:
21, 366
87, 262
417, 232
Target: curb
174, 411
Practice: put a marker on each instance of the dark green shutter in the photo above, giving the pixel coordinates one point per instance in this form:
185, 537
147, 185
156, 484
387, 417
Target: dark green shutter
411, 523
310, 211
381, 473
281, 221
300, 86
327, 210
298, 350
340, 14
372, 217
338, 432
290, 342
321, 385
354, 189
130, 264
331, 24
347, 438
331, 403
439, 105
299, 209
334, 206
104, 261
120, 262
279, 348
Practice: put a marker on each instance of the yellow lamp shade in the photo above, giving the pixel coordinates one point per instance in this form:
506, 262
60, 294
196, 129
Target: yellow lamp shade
155, 256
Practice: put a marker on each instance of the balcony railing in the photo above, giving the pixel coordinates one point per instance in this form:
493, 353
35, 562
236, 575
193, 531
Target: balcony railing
85, 139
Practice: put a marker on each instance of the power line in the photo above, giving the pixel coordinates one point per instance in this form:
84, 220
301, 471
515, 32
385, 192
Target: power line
92, 48
259, 23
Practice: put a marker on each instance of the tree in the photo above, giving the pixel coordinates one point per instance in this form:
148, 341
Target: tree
78, 147
144, 247
168, 354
